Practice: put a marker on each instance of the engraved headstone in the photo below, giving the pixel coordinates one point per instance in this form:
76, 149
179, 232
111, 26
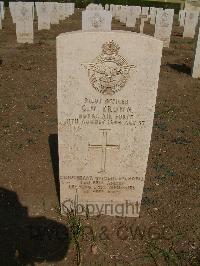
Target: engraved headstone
107, 86
163, 27
131, 17
191, 21
196, 63
44, 15
24, 22
99, 20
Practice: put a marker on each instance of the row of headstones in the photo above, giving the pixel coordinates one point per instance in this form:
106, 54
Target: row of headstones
163, 19
48, 13
95, 18
188, 20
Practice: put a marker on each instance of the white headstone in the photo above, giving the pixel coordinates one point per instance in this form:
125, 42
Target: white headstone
113, 9
123, 14
2, 10
182, 14
196, 63
99, 20
24, 22
191, 21
163, 27
118, 12
106, 88
44, 15
131, 17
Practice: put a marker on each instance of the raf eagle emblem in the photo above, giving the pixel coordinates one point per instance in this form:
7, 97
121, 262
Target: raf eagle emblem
109, 72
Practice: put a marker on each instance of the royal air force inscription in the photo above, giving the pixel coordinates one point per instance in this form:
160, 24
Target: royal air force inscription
105, 112
104, 131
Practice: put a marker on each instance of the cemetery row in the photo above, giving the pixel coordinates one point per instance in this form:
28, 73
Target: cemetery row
23, 14
162, 19
51, 12
97, 19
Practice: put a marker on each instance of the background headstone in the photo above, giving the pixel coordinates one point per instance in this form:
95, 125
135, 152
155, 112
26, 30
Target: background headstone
163, 27
123, 14
191, 21
196, 64
182, 14
24, 22
43, 13
99, 20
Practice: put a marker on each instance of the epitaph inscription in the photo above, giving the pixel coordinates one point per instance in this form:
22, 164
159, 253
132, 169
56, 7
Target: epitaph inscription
97, 20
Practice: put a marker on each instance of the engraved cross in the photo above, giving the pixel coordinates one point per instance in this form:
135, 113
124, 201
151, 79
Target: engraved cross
103, 147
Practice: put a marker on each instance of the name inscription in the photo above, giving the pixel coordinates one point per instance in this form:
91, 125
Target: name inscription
105, 112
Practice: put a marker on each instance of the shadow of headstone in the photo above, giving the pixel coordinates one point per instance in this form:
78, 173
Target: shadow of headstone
53, 145
181, 68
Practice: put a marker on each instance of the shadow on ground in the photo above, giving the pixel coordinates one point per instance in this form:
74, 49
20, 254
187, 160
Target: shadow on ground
181, 68
25, 240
